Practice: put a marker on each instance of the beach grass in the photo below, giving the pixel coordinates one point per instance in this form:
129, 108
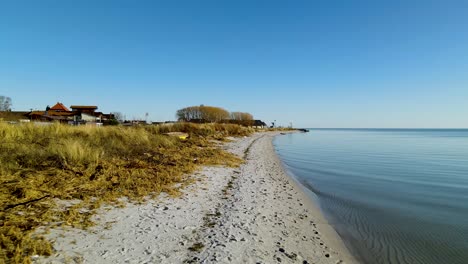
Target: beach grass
59, 175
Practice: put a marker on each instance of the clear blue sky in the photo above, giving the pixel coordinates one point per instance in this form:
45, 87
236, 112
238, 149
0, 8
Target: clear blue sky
314, 63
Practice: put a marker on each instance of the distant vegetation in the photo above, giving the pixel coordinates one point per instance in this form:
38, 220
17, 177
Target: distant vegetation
210, 114
241, 116
43, 166
207, 113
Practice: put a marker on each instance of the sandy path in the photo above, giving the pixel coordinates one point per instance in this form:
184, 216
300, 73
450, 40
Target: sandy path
252, 214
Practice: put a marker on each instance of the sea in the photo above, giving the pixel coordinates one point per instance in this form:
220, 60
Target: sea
393, 195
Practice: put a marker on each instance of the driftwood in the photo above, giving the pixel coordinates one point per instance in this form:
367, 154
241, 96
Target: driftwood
25, 203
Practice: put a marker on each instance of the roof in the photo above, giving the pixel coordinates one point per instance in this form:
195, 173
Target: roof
13, 115
35, 112
50, 113
84, 107
59, 107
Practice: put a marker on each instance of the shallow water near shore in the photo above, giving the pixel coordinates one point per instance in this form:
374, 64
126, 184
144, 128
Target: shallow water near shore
393, 195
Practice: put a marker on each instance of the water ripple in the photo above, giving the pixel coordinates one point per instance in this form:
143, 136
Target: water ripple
395, 196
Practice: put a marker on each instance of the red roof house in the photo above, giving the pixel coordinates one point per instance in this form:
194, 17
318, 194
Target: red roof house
59, 107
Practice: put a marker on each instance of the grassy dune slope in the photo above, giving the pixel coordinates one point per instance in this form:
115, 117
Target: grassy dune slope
43, 166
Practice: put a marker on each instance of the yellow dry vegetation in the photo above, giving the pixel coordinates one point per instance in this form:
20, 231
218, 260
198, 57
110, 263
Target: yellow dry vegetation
43, 167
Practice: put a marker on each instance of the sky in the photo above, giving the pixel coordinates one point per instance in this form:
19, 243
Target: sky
330, 63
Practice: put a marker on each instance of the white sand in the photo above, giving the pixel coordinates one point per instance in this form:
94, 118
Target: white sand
252, 214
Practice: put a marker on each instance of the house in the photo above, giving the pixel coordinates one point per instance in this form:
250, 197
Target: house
87, 109
88, 113
85, 114
58, 112
46, 116
80, 114
58, 107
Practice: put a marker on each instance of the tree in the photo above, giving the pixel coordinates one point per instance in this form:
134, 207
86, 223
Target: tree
113, 122
213, 113
5, 103
242, 118
189, 113
118, 116
202, 113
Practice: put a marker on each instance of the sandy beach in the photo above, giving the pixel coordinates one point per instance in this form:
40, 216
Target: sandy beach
251, 214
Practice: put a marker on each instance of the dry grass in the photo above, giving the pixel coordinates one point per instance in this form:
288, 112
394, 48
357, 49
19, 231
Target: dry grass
43, 166
215, 130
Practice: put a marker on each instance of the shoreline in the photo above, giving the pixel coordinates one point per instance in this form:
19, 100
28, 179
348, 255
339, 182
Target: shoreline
330, 234
254, 213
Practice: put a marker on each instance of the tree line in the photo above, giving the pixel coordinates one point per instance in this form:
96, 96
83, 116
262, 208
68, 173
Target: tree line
212, 114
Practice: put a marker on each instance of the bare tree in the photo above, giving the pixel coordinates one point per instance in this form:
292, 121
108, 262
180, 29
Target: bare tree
118, 116
189, 113
5, 103
241, 116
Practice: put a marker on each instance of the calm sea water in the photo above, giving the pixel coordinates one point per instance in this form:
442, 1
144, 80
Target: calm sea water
394, 195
